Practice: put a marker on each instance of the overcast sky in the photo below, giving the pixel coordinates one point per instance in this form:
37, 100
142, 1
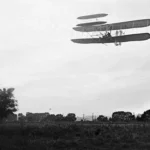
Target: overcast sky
47, 70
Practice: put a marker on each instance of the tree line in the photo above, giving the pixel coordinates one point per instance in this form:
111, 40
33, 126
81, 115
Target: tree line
9, 105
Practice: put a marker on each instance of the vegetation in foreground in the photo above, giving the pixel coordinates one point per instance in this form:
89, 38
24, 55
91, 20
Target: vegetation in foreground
75, 136
65, 133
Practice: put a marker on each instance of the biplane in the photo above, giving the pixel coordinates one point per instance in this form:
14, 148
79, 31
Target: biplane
105, 30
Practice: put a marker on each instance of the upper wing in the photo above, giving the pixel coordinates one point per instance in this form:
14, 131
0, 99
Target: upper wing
115, 26
92, 16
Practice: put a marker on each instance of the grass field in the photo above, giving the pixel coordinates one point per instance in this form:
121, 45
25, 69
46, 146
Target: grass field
72, 136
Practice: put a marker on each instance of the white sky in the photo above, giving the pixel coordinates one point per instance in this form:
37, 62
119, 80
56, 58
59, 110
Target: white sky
47, 70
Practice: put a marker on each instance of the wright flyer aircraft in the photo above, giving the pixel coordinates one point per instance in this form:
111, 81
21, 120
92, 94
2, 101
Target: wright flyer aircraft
105, 30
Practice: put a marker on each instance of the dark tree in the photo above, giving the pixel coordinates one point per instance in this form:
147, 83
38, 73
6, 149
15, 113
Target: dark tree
146, 115
59, 117
102, 118
138, 117
8, 105
122, 116
70, 117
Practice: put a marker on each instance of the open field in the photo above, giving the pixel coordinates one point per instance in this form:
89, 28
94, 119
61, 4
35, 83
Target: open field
72, 136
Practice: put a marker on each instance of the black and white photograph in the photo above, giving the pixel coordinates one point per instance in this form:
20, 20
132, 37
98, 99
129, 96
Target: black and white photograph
74, 75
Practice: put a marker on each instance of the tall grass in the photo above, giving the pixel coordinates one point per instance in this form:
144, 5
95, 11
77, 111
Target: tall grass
75, 136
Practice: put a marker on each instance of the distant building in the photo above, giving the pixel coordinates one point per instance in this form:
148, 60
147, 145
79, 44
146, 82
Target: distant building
36, 117
11, 118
